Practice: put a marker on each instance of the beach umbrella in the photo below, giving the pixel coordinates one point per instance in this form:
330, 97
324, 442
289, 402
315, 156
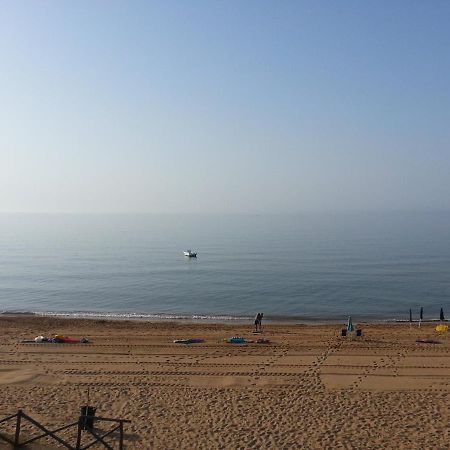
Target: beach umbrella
441, 315
410, 314
349, 324
421, 315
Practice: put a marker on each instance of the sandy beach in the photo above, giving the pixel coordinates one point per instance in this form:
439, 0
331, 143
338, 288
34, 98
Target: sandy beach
309, 388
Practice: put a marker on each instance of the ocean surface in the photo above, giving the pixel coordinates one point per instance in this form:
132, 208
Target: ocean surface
306, 267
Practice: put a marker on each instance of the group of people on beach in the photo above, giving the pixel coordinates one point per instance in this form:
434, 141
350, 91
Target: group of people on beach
258, 320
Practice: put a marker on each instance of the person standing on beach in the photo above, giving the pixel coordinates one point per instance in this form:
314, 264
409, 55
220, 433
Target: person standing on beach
261, 315
257, 322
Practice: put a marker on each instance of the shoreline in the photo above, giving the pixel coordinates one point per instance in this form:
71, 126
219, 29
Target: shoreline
211, 319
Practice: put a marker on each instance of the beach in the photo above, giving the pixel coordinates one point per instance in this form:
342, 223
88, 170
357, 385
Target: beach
309, 388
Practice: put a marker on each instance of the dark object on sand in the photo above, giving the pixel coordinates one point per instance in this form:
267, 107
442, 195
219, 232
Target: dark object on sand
421, 313
344, 332
441, 315
87, 415
188, 341
236, 340
25, 422
427, 341
359, 333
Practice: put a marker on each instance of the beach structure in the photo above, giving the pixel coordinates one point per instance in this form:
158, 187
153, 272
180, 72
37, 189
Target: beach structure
441, 315
350, 324
84, 425
357, 332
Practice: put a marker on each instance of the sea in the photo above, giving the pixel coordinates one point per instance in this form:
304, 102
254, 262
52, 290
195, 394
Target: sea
310, 267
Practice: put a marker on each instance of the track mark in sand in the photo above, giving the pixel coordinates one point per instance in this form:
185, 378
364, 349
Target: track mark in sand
141, 373
333, 346
279, 352
311, 380
387, 362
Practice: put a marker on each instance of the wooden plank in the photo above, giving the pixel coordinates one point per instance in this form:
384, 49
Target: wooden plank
51, 433
17, 435
56, 438
79, 434
47, 434
99, 439
8, 418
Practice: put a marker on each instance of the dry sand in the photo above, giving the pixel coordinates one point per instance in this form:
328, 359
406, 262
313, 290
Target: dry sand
309, 389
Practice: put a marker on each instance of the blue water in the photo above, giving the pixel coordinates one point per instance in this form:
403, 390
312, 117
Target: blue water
302, 267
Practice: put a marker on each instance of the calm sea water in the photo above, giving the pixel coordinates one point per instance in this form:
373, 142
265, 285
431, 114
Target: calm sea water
301, 267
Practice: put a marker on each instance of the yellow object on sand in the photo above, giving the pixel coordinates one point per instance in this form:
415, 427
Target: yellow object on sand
441, 328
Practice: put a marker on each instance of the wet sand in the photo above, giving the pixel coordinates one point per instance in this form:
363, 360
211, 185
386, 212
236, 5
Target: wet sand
308, 389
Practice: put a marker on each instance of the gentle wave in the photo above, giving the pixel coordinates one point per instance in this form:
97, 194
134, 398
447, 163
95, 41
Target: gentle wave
141, 316
163, 316
206, 318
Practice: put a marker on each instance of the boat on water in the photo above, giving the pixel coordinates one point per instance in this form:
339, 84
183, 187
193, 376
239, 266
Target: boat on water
190, 254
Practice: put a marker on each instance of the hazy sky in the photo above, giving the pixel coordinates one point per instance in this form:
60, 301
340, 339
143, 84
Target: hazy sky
224, 106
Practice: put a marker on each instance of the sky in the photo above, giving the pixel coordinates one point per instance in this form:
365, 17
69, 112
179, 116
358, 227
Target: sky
224, 106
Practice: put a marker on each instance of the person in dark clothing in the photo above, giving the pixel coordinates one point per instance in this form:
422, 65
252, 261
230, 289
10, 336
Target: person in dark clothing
257, 322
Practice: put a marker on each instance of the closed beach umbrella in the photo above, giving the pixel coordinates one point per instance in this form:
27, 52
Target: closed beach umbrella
349, 324
441, 315
410, 315
421, 313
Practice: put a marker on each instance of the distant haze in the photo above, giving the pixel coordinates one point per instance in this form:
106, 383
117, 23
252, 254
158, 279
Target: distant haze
227, 106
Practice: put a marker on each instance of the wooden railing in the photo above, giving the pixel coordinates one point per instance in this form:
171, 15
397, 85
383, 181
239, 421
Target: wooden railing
99, 436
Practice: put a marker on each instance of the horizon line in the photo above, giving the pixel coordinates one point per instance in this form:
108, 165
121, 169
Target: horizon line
218, 213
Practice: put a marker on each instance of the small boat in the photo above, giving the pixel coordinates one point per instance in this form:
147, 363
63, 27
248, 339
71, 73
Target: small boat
190, 254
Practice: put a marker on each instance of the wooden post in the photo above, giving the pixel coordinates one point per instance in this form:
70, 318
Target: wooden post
79, 433
17, 436
121, 436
